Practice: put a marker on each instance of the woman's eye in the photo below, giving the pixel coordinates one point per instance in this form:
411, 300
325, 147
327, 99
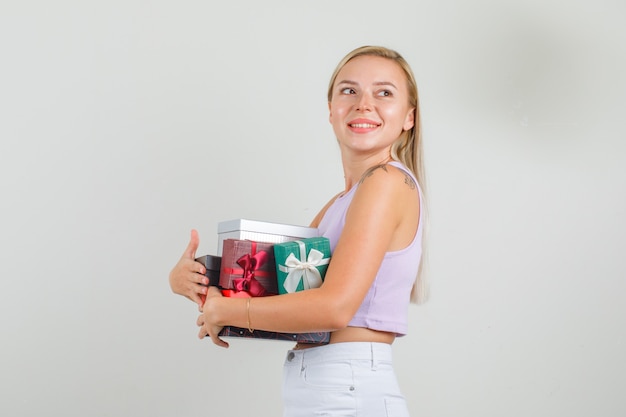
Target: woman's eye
384, 93
348, 90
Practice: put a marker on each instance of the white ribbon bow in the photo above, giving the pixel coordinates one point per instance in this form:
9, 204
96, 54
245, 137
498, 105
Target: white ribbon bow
298, 269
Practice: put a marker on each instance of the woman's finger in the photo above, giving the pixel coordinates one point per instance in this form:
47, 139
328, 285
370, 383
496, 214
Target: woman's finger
199, 278
215, 338
202, 333
192, 247
193, 296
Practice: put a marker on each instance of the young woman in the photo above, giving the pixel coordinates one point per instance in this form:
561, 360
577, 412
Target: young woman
375, 227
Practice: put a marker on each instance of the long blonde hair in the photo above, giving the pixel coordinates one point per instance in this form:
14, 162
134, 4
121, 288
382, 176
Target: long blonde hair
407, 149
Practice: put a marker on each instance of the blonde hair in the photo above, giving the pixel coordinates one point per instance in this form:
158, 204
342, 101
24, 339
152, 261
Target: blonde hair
407, 149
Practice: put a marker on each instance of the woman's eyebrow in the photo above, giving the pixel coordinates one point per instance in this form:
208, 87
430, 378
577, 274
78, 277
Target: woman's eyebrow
387, 83
378, 83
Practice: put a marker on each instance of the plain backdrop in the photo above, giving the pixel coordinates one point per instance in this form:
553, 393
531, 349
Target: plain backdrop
125, 124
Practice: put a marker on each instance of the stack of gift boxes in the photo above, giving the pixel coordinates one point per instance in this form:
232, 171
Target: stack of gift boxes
257, 259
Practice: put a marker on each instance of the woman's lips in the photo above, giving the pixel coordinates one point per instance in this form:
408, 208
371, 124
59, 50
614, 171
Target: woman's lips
363, 125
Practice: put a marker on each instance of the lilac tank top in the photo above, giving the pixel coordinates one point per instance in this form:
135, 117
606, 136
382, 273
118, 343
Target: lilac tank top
386, 304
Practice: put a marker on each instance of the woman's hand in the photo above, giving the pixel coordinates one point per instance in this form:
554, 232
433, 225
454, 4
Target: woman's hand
187, 278
207, 326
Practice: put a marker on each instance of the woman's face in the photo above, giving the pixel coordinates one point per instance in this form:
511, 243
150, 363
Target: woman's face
369, 108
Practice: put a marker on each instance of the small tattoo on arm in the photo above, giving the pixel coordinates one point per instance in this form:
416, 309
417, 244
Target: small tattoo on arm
370, 171
409, 181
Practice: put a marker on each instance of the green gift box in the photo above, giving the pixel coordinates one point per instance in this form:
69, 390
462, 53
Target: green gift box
301, 264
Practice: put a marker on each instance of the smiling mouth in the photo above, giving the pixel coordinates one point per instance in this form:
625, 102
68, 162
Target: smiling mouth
363, 125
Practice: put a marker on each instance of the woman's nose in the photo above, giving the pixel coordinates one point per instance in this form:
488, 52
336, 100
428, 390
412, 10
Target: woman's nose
364, 103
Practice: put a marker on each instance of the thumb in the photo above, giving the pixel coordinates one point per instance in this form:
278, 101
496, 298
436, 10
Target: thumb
192, 247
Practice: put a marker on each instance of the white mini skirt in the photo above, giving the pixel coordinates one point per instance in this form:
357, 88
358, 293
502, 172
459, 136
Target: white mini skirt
342, 379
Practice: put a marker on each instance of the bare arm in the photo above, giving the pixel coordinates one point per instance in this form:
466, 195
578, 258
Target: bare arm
375, 223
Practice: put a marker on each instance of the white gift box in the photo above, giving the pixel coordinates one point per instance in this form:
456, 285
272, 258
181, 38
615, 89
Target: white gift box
260, 231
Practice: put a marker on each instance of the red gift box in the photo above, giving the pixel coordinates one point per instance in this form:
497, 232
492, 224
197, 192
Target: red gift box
248, 266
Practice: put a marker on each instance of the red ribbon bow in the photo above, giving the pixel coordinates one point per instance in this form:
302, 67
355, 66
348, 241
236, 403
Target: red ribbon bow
250, 263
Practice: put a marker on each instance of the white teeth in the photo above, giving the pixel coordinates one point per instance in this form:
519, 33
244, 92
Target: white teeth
363, 125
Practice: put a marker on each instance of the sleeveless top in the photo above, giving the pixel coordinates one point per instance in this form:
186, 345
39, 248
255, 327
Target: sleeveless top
386, 304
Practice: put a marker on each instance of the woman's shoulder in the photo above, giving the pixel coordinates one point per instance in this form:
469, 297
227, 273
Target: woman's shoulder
386, 204
388, 176
386, 190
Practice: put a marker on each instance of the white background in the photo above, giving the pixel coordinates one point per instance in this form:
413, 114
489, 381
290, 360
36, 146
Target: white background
125, 124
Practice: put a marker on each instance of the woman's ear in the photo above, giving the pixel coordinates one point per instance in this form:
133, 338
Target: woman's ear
330, 113
409, 122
